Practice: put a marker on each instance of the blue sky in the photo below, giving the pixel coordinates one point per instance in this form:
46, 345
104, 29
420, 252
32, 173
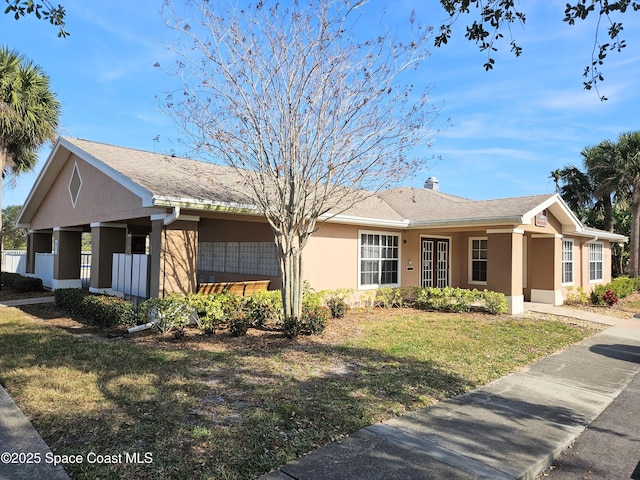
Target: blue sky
503, 131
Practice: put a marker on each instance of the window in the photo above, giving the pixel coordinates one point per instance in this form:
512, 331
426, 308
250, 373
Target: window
596, 256
478, 257
567, 261
379, 254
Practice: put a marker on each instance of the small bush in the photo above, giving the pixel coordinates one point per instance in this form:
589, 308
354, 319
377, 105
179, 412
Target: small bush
314, 318
210, 310
623, 286
494, 303
337, 306
264, 307
168, 313
70, 299
292, 326
609, 298
103, 311
579, 298
450, 299
20, 283
106, 311
388, 297
237, 318
597, 293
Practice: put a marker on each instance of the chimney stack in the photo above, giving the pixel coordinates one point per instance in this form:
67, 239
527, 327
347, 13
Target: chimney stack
432, 184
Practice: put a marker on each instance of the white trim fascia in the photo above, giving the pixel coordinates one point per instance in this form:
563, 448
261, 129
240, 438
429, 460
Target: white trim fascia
107, 225
207, 205
546, 235
68, 229
364, 221
519, 231
465, 222
554, 199
600, 235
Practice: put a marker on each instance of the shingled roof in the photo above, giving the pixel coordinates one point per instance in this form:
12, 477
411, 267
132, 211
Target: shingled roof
164, 180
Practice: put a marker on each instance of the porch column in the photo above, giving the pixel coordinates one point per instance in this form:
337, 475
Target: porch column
106, 239
37, 242
504, 266
67, 248
174, 251
546, 264
155, 247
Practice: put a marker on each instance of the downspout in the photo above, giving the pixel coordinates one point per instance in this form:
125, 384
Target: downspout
175, 215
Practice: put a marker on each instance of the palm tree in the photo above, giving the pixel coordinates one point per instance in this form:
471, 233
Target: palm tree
29, 114
577, 189
628, 175
601, 164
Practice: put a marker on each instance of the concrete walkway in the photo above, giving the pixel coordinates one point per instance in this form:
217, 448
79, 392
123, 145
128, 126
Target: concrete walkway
27, 301
512, 428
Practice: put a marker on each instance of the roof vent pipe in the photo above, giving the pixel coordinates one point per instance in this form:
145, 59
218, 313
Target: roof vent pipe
432, 184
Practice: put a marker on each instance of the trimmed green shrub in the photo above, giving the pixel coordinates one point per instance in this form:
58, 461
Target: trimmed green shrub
168, 313
450, 299
314, 318
210, 310
292, 326
388, 297
236, 315
103, 311
264, 307
20, 283
337, 306
106, 311
494, 303
447, 299
597, 293
579, 298
623, 286
70, 299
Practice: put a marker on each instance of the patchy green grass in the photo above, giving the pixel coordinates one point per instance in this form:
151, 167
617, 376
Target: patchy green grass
234, 408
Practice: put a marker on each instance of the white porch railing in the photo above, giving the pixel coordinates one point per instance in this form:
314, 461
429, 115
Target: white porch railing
129, 274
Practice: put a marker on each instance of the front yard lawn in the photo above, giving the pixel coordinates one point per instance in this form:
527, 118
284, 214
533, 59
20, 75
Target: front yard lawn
234, 408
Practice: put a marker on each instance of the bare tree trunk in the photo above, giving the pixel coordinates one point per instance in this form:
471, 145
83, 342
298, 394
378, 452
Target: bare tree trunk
607, 207
290, 253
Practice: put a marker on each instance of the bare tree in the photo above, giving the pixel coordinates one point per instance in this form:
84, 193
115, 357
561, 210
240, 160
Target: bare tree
313, 118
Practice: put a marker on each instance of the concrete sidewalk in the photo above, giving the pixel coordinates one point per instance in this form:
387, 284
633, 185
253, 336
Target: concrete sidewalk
512, 428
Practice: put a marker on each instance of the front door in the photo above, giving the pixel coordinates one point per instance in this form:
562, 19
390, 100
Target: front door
435, 262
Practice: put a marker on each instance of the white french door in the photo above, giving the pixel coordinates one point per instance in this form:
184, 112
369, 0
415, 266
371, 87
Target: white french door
435, 262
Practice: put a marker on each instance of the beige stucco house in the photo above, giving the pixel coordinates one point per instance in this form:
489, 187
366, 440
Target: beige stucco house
161, 224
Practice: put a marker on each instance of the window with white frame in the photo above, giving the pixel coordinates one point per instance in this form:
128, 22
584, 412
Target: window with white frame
379, 259
567, 261
478, 260
596, 261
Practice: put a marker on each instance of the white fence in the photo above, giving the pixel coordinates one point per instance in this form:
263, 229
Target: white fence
14, 261
44, 269
130, 274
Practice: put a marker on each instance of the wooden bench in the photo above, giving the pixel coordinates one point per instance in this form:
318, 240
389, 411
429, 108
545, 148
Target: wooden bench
242, 289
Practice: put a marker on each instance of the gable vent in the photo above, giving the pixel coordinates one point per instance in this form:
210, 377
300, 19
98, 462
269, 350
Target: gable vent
75, 184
